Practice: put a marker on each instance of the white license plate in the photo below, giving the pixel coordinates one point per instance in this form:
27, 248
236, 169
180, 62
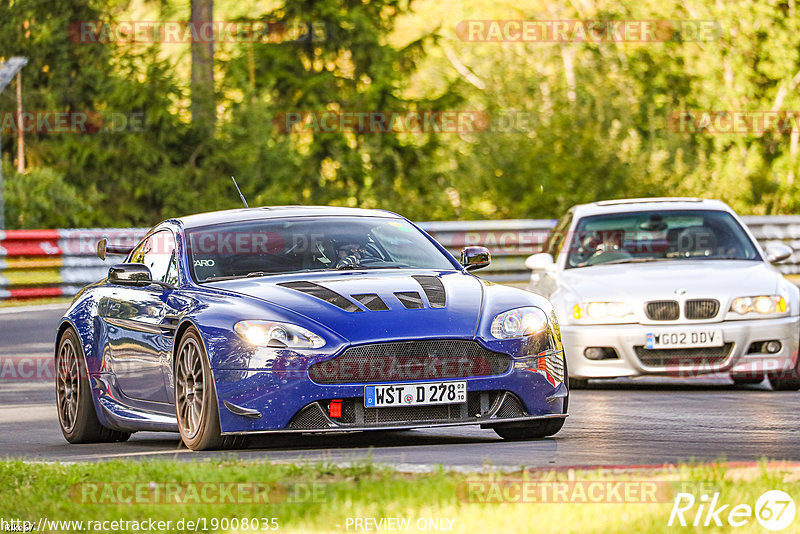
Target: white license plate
680, 339
415, 394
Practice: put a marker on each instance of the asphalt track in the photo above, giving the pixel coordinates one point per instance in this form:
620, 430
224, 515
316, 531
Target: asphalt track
646, 422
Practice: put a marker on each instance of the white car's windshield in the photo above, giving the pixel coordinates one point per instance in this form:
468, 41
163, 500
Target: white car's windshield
645, 236
302, 244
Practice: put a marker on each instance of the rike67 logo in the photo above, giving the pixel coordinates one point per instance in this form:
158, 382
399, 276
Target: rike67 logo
774, 510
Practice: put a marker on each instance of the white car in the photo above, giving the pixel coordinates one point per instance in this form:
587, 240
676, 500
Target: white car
668, 286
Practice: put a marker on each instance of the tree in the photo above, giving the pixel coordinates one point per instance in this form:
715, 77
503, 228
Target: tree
203, 100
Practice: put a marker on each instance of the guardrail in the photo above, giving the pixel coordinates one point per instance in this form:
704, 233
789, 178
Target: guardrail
509, 241
49, 263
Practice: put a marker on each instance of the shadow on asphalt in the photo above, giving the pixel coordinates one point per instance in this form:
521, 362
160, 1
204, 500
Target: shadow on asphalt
370, 439
655, 384
679, 387
311, 442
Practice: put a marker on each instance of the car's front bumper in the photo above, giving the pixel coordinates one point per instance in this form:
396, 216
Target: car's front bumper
624, 339
301, 405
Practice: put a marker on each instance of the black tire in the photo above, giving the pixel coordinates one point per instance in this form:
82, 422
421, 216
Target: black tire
746, 380
76, 414
578, 383
786, 380
198, 423
780, 383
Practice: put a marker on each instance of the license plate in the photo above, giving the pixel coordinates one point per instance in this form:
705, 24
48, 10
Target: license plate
678, 339
415, 394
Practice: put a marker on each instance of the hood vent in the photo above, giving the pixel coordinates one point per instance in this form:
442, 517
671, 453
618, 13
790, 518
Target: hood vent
371, 301
410, 299
321, 292
434, 290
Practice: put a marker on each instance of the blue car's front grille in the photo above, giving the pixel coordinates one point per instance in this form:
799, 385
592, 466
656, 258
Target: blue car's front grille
480, 406
410, 360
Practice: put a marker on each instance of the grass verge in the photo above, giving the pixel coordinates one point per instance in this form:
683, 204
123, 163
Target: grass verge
321, 498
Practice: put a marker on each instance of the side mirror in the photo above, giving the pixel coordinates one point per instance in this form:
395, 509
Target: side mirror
777, 251
130, 274
473, 258
539, 262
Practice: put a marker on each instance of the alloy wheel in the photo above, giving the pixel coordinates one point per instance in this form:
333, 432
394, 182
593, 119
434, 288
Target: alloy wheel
67, 385
190, 386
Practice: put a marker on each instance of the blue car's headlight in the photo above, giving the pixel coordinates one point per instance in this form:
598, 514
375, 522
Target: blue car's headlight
519, 322
280, 335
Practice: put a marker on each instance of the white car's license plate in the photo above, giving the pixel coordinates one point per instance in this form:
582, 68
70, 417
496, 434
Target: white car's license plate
415, 394
684, 339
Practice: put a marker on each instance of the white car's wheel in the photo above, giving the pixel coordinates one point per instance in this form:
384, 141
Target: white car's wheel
578, 383
789, 381
746, 380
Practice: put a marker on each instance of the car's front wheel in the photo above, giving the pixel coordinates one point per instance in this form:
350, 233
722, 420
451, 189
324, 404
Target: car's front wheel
786, 381
196, 398
745, 380
578, 383
76, 414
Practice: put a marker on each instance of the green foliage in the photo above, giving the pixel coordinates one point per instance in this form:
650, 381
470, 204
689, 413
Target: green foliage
40, 199
596, 113
350, 68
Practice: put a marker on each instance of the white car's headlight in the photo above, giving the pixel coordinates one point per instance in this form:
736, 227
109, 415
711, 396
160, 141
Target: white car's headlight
602, 311
519, 322
763, 305
279, 335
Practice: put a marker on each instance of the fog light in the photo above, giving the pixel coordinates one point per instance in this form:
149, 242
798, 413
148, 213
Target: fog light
599, 353
773, 346
594, 353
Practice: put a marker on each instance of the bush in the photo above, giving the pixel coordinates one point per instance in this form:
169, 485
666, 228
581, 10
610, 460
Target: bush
39, 199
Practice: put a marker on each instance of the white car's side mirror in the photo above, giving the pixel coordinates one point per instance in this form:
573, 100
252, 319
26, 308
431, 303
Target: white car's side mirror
540, 262
776, 251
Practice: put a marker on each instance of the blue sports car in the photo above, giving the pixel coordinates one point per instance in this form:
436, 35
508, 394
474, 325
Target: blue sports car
303, 319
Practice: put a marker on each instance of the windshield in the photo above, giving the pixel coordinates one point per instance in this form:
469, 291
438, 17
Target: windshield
303, 244
645, 236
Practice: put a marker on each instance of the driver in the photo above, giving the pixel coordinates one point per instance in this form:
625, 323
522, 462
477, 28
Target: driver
610, 248
349, 254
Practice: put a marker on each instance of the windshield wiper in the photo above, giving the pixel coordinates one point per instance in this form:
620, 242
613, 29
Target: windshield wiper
254, 274
632, 260
220, 278
354, 267
257, 274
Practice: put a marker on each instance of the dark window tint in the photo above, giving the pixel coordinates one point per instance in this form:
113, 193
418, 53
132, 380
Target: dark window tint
158, 253
671, 235
307, 244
